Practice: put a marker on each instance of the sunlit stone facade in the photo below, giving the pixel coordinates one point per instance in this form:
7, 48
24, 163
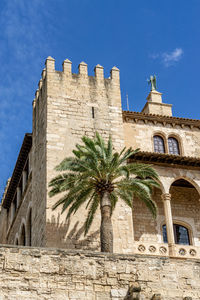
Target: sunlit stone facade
68, 106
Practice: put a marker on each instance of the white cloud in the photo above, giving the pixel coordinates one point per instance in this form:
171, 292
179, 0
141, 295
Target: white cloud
154, 55
171, 58
168, 58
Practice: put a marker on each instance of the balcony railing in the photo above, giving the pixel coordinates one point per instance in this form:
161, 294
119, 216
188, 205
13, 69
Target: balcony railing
151, 248
185, 251
161, 249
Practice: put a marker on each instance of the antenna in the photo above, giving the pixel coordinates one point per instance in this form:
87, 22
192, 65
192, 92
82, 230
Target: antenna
127, 101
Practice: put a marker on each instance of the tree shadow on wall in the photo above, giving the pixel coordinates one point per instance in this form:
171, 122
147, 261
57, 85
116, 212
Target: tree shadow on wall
143, 222
61, 234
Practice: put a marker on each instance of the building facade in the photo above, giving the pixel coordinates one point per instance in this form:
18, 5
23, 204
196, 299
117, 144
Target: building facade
68, 106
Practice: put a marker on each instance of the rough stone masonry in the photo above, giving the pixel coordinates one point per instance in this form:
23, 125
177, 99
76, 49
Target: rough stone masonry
41, 273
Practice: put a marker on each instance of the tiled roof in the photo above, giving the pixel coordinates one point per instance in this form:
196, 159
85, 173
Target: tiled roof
129, 116
161, 158
21, 160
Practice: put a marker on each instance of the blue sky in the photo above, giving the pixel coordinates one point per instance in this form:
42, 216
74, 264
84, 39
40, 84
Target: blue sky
139, 37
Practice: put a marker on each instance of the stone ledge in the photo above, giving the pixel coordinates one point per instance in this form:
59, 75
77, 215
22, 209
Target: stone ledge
111, 256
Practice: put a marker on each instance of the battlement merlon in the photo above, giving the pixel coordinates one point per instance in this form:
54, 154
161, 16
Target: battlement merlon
67, 67
78, 86
82, 70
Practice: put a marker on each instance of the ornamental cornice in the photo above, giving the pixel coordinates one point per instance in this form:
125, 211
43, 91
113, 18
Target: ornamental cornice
132, 116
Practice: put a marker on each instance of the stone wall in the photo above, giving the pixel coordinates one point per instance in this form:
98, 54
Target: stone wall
77, 105
21, 216
140, 135
68, 106
185, 211
38, 273
39, 165
146, 228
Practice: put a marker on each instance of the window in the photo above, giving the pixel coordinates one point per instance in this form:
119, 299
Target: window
173, 146
15, 202
92, 112
181, 234
29, 229
23, 236
158, 144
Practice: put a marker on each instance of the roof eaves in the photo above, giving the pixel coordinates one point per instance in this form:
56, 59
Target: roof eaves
132, 115
166, 158
21, 160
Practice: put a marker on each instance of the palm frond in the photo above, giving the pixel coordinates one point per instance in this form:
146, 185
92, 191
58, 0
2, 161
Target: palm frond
96, 168
113, 201
80, 199
142, 170
126, 155
109, 149
92, 210
126, 196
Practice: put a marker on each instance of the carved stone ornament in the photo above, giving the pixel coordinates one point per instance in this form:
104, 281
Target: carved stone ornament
192, 252
163, 250
141, 248
182, 251
152, 249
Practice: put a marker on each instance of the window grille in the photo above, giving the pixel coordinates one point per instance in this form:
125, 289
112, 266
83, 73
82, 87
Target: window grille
23, 236
181, 234
173, 146
158, 144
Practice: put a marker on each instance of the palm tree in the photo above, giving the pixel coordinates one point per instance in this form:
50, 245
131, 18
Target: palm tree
97, 176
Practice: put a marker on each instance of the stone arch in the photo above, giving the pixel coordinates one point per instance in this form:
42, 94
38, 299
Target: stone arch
177, 174
187, 179
185, 205
162, 187
29, 227
22, 235
16, 242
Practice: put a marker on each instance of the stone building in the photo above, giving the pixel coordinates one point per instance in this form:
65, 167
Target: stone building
68, 106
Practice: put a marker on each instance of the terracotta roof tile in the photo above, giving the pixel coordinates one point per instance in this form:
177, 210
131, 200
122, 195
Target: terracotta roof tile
132, 115
21, 160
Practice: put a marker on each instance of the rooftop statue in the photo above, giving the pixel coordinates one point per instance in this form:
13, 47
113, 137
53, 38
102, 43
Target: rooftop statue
152, 81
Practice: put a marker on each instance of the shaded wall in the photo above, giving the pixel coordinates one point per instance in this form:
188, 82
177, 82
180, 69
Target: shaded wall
21, 216
186, 208
146, 228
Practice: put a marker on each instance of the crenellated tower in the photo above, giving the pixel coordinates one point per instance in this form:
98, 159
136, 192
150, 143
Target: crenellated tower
66, 107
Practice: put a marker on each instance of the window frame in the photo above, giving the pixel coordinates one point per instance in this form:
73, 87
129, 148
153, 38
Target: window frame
164, 142
182, 224
178, 145
165, 137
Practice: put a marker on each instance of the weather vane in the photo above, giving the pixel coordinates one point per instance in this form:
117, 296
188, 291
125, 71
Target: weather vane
152, 82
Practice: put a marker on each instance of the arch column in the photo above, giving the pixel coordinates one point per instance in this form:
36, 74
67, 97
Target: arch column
169, 222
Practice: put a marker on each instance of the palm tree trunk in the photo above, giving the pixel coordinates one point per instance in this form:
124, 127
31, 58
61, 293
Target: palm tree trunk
106, 231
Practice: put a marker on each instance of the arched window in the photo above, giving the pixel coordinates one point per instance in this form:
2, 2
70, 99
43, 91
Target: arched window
158, 144
29, 229
173, 146
23, 236
181, 234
